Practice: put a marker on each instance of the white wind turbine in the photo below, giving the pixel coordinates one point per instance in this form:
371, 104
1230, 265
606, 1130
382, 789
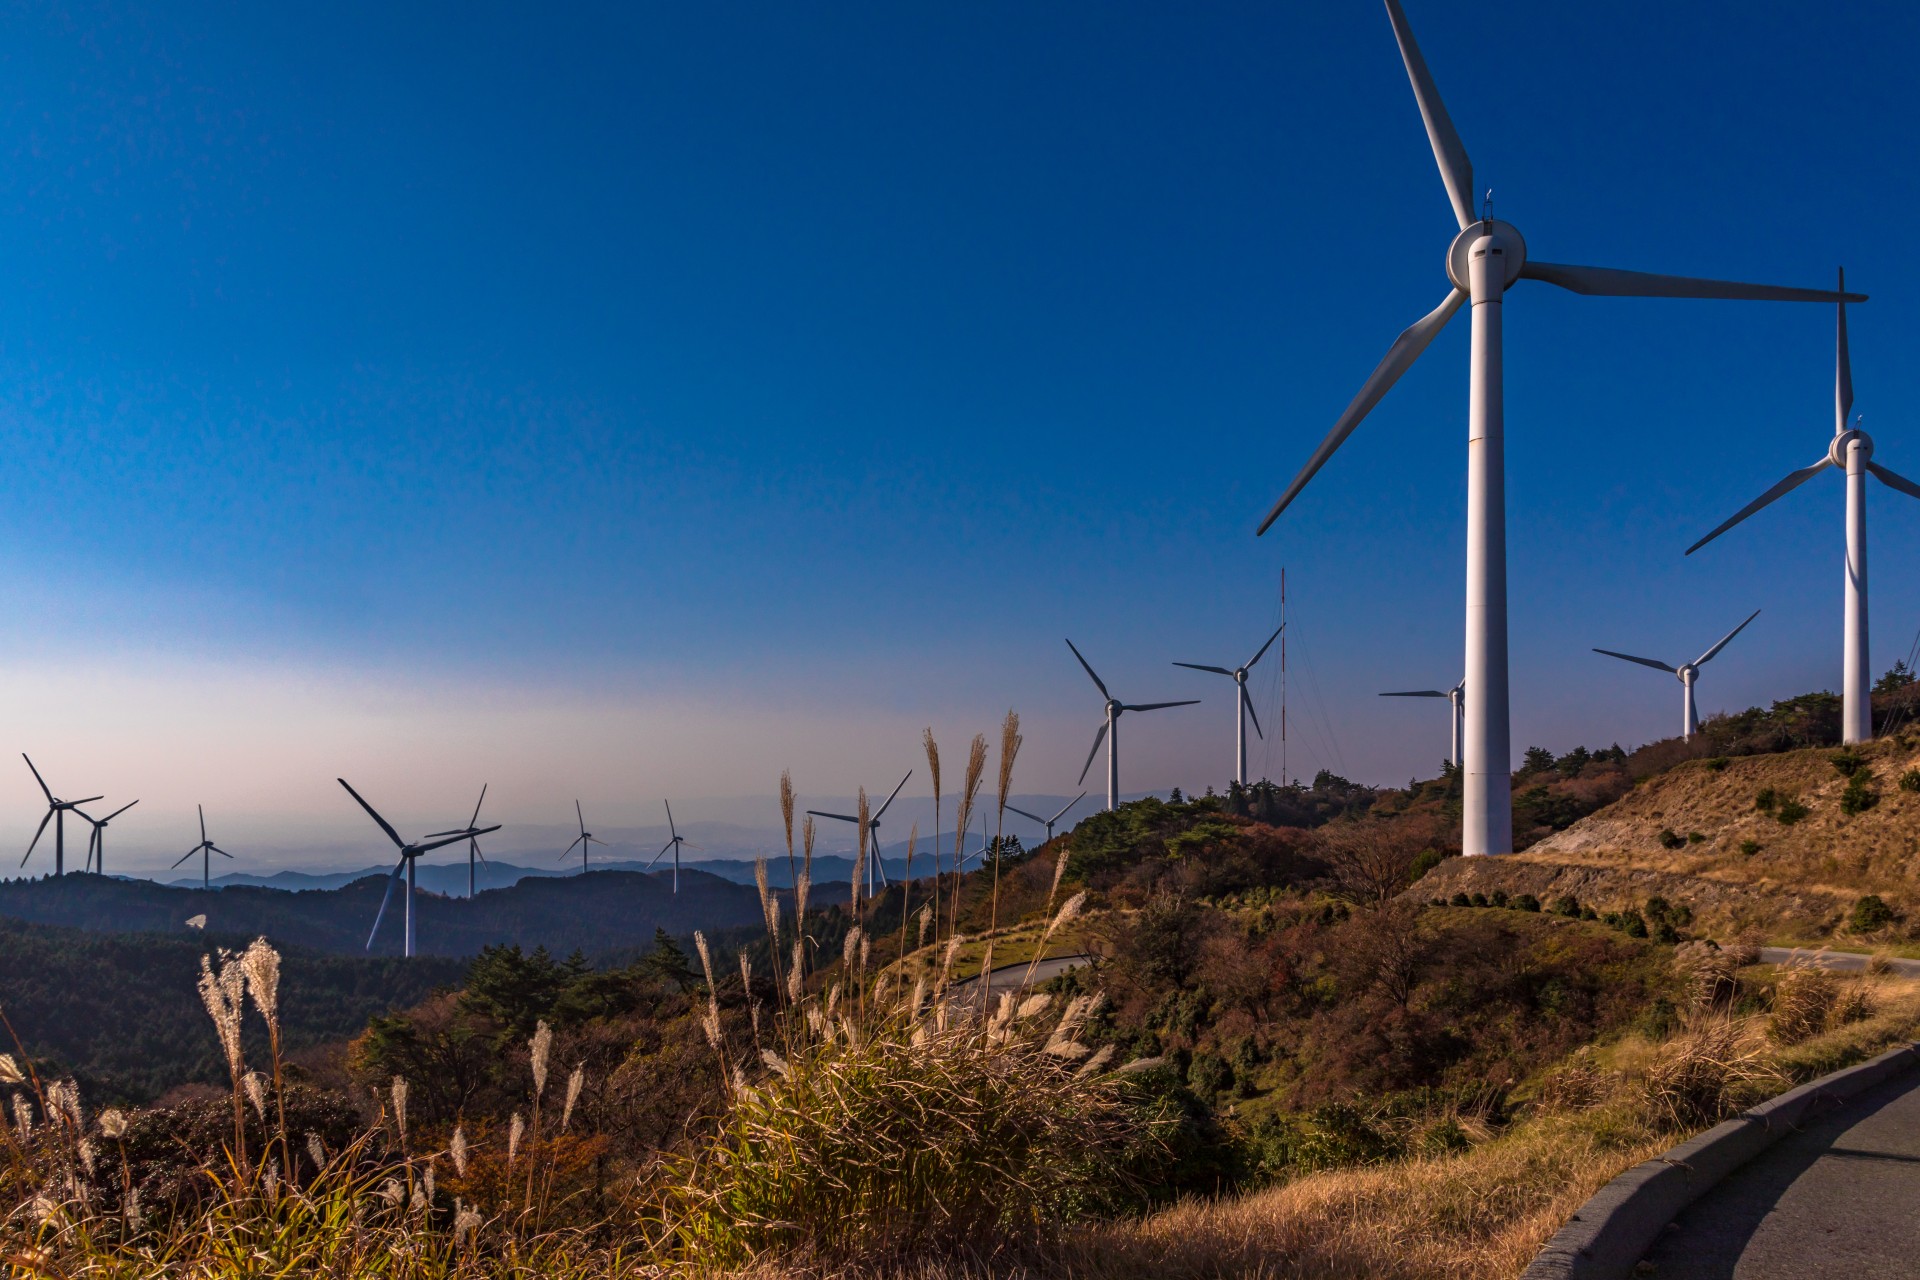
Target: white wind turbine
1487, 257
1110, 731
1687, 674
1850, 451
1456, 698
874, 866
1242, 705
1049, 823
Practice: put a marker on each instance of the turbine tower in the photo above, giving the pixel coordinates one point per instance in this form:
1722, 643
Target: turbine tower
1048, 822
1689, 719
473, 844
1242, 705
1486, 258
206, 849
1110, 731
873, 834
584, 839
1456, 698
57, 814
673, 844
409, 854
1850, 451
97, 842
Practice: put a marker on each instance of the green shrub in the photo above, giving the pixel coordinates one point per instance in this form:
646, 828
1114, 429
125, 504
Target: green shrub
1462, 900
1910, 780
1790, 811
1526, 902
1670, 840
1334, 1136
1479, 900
1634, 923
1869, 914
1567, 905
1498, 898
1715, 763
1765, 799
1848, 762
1694, 837
1423, 862
1749, 847
1588, 913
1859, 796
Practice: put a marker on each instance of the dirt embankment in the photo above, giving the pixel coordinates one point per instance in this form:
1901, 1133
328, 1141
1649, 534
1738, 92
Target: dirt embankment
1753, 843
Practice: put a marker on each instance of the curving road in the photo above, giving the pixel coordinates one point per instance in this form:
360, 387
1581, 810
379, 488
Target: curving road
1835, 1201
1838, 961
1011, 977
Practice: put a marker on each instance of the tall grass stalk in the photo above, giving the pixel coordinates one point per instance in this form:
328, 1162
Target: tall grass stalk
1009, 749
933, 767
969, 792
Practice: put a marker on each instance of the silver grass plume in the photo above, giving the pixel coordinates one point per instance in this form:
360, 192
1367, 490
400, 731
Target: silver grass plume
776, 1063
850, 948
10, 1072
270, 1180
539, 1048
219, 991
769, 905
256, 1087
316, 1152
925, 916
515, 1131
63, 1100
466, 1223
574, 1082
860, 846
711, 1023
87, 1155
806, 873
392, 1192
457, 1151
22, 1117
795, 980
261, 965
427, 1178
400, 1106
113, 1123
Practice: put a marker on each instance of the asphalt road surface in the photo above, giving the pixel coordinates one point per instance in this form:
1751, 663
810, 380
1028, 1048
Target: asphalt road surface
1839, 1200
1011, 977
1840, 962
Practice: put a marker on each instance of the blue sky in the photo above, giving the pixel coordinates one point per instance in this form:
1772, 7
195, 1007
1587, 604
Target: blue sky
633, 400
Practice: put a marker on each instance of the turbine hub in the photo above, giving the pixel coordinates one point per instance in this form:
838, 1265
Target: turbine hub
1501, 237
1837, 451
1687, 673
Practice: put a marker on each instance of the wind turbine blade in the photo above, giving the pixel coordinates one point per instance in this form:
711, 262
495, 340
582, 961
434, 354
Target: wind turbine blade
36, 836
1399, 358
459, 831
1842, 367
1793, 481
1723, 639
384, 825
122, 809
581, 816
1268, 645
1645, 662
671, 829
1098, 683
1098, 738
222, 852
1155, 706
844, 817
475, 851
203, 821
188, 854
1610, 282
1247, 702
1063, 812
455, 838
385, 898
1448, 151
1195, 666
1023, 813
37, 778
1893, 481
1416, 693
84, 800
896, 791
569, 849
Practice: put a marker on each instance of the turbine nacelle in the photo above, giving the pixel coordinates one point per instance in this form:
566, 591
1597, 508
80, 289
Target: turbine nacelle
1837, 451
1491, 238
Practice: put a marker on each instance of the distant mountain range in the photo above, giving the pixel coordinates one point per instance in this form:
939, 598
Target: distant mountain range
606, 911
452, 879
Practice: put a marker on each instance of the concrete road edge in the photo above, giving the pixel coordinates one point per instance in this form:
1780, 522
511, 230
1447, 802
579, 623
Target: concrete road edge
1611, 1232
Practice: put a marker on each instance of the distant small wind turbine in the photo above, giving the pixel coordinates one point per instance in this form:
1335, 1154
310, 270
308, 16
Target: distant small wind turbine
1689, 719
473, 844
1110, 731
1048, 822
1851, 452
674, 844
1456, 697
206, 849
409, 854
873, 834
97, 842
584, 839
57, 813
1243, 704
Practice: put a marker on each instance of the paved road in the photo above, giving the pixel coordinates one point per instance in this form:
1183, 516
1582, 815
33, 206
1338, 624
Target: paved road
1840, 961
1836, 1201
1010, 977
